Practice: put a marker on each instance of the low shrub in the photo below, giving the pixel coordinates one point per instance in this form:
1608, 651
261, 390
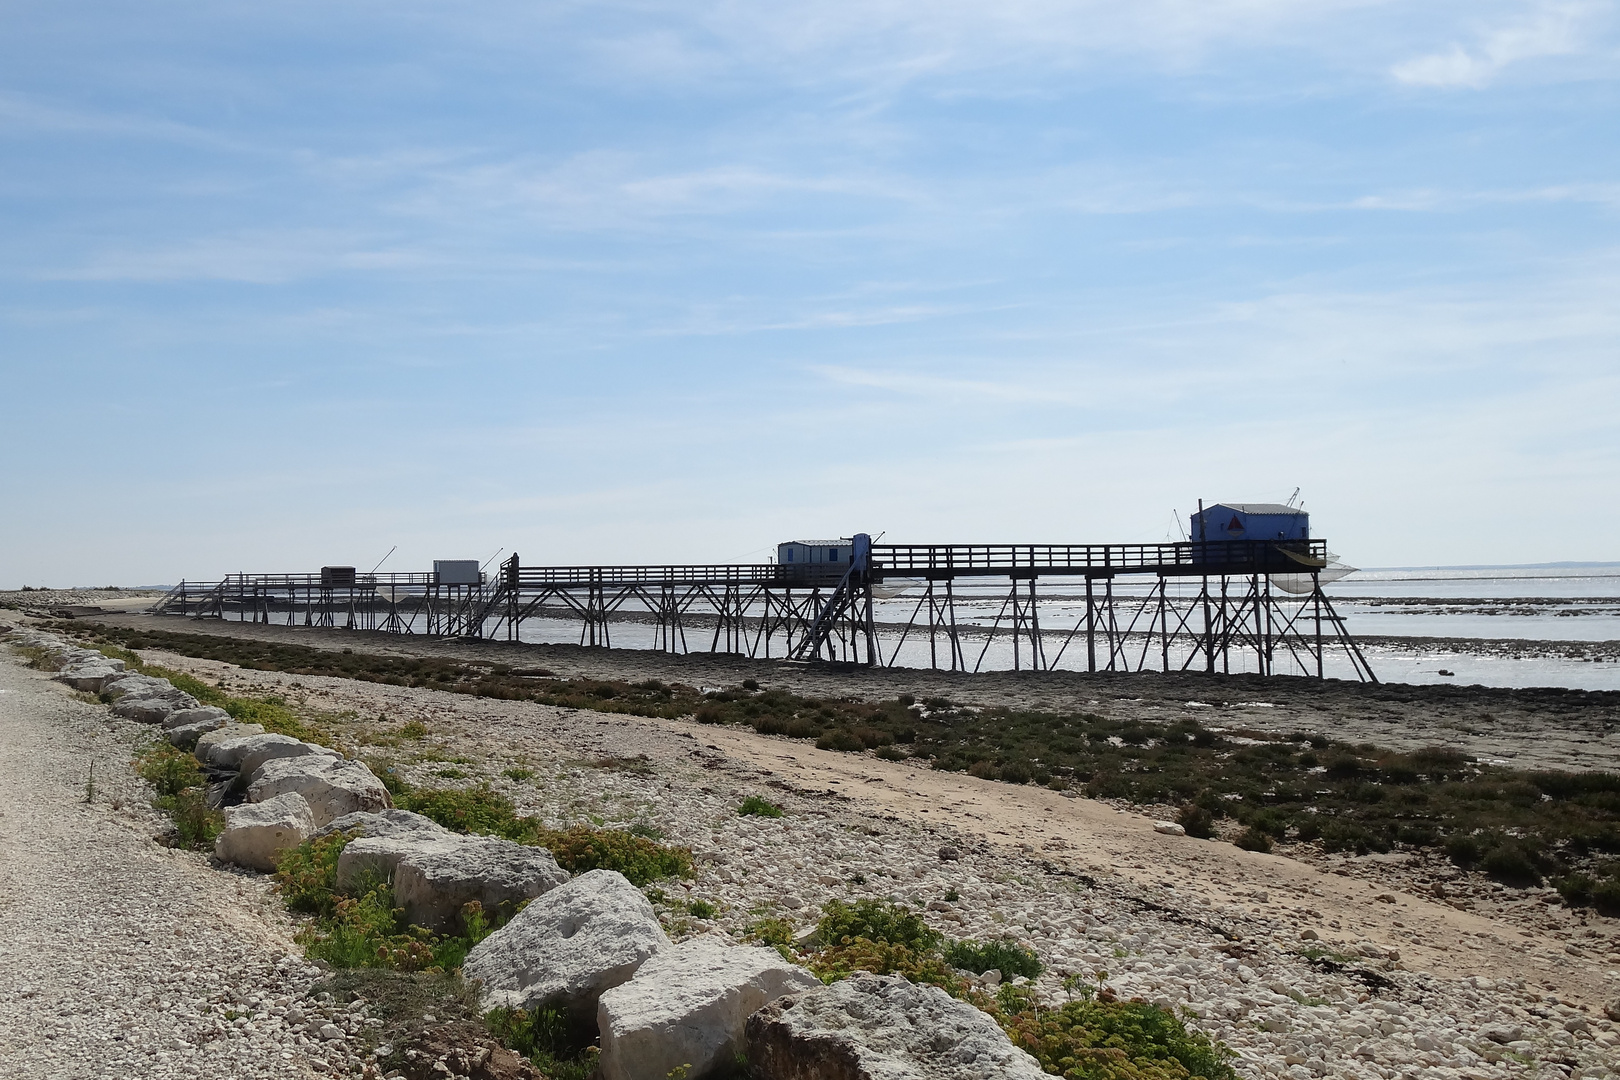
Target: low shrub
840, 739
887, 958
1197, 821
557, 1043
196, 824
1006, 956
468, 810
307, 874
777, 932
169, 770
576, 849
754, 806
1252, 839
179, 783
363, 928
583, 848
1117, 1040
878, 921
1511, 863
1016, 772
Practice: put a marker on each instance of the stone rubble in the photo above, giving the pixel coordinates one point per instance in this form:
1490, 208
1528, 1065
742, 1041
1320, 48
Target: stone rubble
1291, 999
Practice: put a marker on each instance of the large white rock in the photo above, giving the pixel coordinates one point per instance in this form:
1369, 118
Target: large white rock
382, 823
248, 753
255, 833
90, 671
370, 860
132, 683
185, 736
568, 947
147, 703
687, 1005
432, 886
332, 786
881, 1027
205, 743
192, 716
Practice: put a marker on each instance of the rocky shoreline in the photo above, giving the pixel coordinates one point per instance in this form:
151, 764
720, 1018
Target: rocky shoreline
1257, 958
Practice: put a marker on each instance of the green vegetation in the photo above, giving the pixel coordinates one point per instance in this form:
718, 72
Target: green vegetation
576, 849
1101, 1039
179, 783
361, 928
754, 806
1097, 1037
547, 1038
411, 967
876, 920
1006, 956
1600, 889
1520, 827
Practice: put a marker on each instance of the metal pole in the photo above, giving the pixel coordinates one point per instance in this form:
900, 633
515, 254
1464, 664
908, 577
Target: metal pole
1091, 628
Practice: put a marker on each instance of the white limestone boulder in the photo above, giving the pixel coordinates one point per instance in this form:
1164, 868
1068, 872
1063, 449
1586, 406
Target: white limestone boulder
185, 736
90, 671
569, 946
368, 860
687, 1006
332, 786
432, 886
255, 833
249, 753
206, 743
381, 823
148, 701
880, 1027
192, 716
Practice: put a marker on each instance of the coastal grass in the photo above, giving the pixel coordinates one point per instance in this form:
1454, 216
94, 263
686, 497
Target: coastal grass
755, 806
1521, 827
179, 785
577, 848
1097, 1037
406, 971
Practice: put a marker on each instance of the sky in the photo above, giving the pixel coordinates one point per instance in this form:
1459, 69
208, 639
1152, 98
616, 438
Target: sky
296, 284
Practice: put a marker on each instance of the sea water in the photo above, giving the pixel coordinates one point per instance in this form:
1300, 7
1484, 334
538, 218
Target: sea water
1495, 626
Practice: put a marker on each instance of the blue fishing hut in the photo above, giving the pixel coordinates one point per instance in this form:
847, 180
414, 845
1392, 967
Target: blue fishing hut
1251, 521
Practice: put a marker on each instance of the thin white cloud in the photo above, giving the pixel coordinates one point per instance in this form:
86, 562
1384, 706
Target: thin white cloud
1560, 28
257, 257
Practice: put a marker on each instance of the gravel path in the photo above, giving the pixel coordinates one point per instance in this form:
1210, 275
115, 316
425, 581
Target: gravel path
120, 957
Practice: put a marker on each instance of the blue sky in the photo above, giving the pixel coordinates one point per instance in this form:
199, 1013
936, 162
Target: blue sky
284, 285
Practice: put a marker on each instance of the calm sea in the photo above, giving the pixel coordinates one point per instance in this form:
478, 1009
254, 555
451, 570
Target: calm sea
1496, 626
1499, 626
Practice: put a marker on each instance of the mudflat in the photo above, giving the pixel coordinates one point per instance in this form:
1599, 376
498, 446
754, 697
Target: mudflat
1540, 728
